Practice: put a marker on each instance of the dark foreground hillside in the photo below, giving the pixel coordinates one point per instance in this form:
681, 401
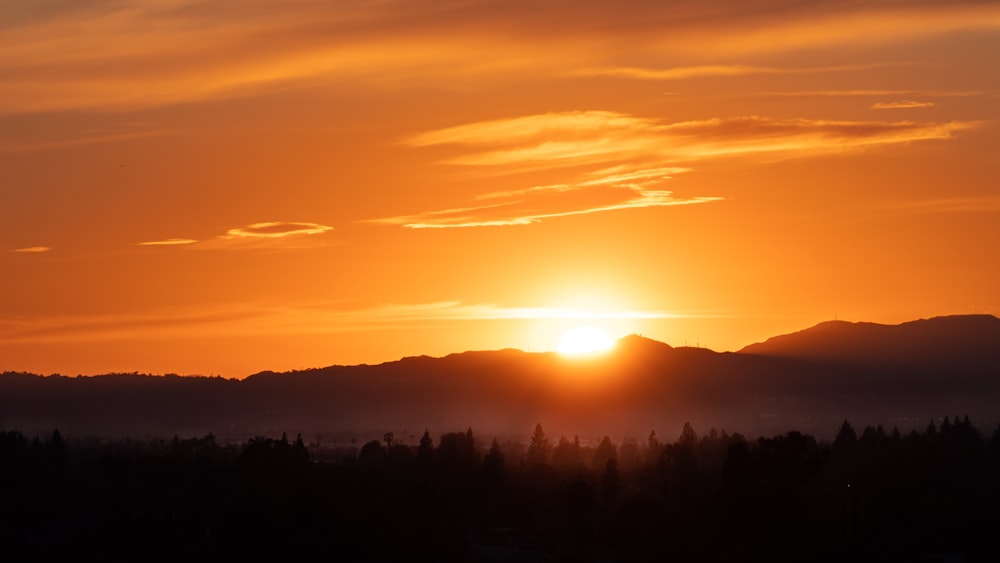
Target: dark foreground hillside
869, 495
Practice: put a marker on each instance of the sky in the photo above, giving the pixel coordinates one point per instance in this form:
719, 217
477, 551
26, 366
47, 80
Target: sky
229, 186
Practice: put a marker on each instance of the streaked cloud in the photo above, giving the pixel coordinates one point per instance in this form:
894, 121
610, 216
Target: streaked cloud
965, 204
516, 214
902, 104
700, 71
33, 249
609, 189
264, 235
131, 326
876, 93
277, 229
456, 310
806, 25
630, 158
136, 54
307, 318
792, 138
168, 242
93, 138
559, 139
515, 129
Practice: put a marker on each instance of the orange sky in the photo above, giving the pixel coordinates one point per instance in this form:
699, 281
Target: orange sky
223, 187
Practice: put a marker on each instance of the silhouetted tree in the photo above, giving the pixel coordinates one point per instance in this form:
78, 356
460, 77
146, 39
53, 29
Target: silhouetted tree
994, 445
628, 454
872, 438
371, 451
846, 436
566, 455
610, 482
493, 463
55, 453
457, 451
494, 468
653, 449
688, 438
738, 472
945, 426
425, 451
681, 466
299, 453
605, 451
538, 448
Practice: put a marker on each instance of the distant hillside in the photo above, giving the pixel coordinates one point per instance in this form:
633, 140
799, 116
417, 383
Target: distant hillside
811, 381
960, 342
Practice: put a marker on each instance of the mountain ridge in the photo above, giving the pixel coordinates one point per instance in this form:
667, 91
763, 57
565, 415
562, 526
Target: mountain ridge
962, 340
641, 384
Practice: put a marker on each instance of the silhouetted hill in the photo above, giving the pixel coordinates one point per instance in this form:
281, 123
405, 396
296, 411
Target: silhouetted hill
636, 344
811, 381
960, 342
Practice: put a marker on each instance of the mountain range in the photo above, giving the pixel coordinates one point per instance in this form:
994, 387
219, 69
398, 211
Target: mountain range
895, 375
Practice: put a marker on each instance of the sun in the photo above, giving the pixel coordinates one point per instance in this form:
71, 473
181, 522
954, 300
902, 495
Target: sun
584, 341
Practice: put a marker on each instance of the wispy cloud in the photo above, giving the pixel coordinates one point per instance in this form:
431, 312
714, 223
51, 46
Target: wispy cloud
965, 204
701, 71
753, 135
515, 129
623, 173
306, 318
33, 249
609, 189
902, 104
629, 158
264, 235
802, 25
93, 138
515, 214
136, 54
133, 326
276, 230
456, 310
168, 242
594, 136
876, 93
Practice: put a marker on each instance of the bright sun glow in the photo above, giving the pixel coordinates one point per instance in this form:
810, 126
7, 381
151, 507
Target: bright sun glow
585, 340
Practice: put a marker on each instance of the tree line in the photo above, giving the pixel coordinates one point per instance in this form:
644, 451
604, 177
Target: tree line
869, 494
